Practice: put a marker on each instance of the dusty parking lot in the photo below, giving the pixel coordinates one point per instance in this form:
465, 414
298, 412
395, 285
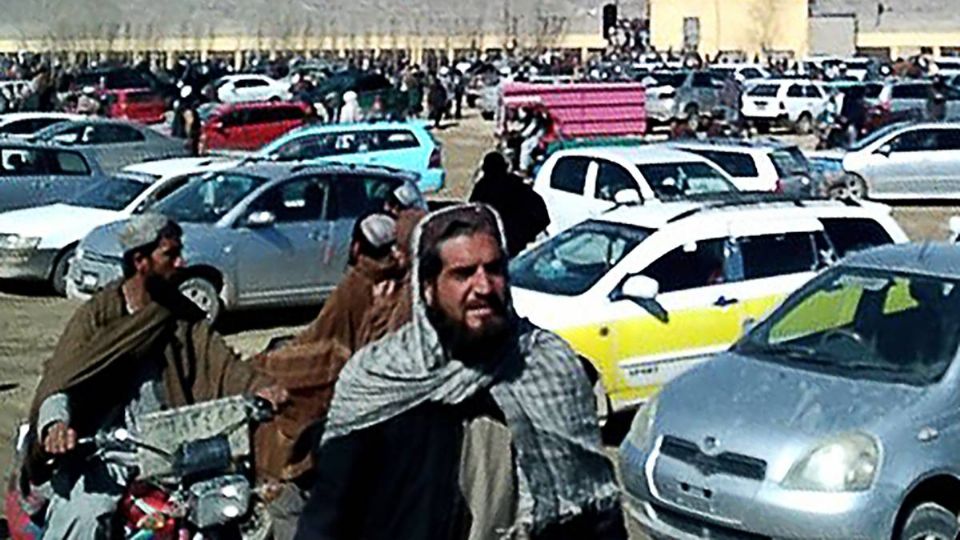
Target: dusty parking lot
31, 320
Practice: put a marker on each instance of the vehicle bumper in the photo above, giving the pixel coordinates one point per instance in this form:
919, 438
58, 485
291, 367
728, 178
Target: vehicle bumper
661, 111
27, 264
432, 181
86, 276
769, 512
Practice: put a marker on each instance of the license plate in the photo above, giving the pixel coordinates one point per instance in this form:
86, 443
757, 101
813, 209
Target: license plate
89, 280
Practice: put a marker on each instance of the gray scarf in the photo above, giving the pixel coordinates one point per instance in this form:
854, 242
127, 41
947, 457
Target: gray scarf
537, 382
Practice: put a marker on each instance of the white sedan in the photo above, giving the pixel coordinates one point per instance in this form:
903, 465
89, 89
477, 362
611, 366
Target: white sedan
250, 87
38, 243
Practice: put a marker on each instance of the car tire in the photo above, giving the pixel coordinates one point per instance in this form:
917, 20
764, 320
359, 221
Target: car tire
692, 114
202, 293
487, 115
763, 127
848, 186
274, 99
804, 124
58, 275
930, 521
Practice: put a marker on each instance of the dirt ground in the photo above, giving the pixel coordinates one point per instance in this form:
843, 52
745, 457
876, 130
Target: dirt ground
31, 320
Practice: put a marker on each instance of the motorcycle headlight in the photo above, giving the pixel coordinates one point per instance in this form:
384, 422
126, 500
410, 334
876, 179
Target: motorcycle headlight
841, 464
642, 426
17, 242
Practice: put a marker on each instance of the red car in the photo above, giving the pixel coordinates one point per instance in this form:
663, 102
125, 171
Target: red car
127, 94
136, 104
248, 126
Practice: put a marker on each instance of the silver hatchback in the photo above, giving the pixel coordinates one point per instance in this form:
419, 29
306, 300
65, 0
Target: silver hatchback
835, 418
259, 235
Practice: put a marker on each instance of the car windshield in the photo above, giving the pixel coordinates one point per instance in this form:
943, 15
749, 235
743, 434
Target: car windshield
681, 180
858, 323
208, 198
789, 162
874, 137
764, 90
571, 262
664, 79
113, 193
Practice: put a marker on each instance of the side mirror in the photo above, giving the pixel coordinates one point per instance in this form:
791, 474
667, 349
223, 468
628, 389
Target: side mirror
885, 150
640, 287
259, 220
627, 196
955, 228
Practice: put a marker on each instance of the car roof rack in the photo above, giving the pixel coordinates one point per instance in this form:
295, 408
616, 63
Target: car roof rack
758, 199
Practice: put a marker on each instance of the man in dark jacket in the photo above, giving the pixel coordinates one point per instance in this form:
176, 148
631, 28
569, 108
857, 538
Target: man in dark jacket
523, 211
466, 423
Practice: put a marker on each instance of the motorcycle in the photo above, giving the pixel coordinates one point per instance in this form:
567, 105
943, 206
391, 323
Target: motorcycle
195, 474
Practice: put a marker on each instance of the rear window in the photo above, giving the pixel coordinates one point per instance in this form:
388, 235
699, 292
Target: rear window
735, 164
911, 91
777, 255
681, 180
570, 174
850, 235
141, 97
789, 162
764, 90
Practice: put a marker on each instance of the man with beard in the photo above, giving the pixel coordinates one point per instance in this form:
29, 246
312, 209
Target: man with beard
136, 347
468, 422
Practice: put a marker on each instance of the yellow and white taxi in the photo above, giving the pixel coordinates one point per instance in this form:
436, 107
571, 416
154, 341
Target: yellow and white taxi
644, 293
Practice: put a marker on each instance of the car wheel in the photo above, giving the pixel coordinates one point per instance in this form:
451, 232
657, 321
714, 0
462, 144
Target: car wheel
804, 124
692, 113
202, 293
274, 99
930, 521
487, 115
58, 276
848, 186
763, 127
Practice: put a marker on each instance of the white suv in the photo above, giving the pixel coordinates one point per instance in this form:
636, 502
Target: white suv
759, 164
579, 183
643, 293
794, 103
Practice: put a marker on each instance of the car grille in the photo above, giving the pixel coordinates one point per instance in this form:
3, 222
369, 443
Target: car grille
702, 529
725, 463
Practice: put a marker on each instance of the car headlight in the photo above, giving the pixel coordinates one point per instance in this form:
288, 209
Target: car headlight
840, 464
642, 425
17, 242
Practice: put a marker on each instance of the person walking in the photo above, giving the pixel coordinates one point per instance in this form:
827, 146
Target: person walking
436, 100
523, 211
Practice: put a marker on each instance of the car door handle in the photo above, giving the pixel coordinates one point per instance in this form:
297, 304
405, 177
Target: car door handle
723, 301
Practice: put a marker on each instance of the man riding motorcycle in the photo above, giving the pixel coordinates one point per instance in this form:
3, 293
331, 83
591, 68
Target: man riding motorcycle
136, 347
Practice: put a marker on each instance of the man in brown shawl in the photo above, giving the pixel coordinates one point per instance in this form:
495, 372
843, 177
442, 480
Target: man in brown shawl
136, 347
308, 367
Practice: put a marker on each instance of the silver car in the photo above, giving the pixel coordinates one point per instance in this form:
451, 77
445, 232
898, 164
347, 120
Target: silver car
259, 235
835, 418
900, 161
116, 143
36, 174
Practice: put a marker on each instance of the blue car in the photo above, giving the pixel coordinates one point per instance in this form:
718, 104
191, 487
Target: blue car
406, 146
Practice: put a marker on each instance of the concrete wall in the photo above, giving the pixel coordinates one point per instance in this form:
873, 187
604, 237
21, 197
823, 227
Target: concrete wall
834, 35
751, 26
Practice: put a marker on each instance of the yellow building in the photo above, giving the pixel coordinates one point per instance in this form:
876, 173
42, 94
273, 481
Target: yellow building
748, 26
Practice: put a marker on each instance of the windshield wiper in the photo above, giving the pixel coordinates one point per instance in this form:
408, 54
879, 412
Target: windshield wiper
781, 349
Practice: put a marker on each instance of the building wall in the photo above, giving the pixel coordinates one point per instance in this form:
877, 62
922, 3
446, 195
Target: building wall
750, 26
